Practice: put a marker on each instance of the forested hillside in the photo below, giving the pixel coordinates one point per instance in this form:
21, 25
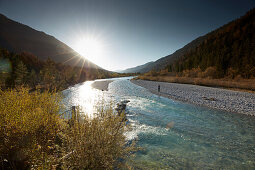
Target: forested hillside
227, 51
167, 60
17, 38
26, 69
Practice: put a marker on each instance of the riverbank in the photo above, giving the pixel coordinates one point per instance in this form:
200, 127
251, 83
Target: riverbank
216, 98
101, 85
238, 84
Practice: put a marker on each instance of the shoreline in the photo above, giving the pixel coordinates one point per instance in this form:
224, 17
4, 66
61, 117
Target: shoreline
215, 98
101, 85
245, 85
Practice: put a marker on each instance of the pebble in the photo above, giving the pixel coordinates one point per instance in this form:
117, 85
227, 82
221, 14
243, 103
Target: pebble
216, 98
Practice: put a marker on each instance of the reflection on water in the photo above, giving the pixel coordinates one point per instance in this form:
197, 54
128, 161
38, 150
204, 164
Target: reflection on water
85, 96
173, 134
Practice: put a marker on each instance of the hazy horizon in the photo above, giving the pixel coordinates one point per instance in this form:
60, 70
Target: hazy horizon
124, 34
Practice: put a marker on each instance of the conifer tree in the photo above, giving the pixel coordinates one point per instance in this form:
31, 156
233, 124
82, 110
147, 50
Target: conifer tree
33, 78
21, 73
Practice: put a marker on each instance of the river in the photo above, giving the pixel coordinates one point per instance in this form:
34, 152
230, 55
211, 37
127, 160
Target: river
196, 137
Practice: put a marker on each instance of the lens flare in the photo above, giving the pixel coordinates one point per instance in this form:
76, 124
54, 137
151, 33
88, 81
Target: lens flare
90, 47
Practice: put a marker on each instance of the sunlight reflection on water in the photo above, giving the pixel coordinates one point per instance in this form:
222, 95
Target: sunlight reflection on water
84, 96
87, 98
199, 138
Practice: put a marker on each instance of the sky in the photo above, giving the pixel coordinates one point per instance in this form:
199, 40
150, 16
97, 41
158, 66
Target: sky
119, 34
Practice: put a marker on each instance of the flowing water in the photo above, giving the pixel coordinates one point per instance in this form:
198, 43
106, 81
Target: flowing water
174, 135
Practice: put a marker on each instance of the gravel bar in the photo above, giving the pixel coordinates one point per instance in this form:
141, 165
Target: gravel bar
101, 85
216, 98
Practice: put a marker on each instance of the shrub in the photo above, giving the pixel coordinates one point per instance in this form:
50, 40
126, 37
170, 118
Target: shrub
163, 72
98, 143
193, 73
231, 73
151, 73
33, 135
29, 123
210, 72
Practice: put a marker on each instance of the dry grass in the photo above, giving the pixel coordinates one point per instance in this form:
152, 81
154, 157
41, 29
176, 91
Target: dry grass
238, 84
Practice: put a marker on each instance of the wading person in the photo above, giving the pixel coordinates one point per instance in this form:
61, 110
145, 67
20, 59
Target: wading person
158, 88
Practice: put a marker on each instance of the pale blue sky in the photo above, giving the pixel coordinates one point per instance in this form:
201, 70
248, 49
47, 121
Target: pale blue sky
132, 32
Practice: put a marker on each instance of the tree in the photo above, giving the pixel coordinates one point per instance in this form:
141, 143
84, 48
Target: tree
21, 73
33, 78
49, 74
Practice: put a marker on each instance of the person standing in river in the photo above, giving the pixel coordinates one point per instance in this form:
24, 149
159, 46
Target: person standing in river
158, 88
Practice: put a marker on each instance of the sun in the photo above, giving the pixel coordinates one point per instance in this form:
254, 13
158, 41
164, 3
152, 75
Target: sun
89, 47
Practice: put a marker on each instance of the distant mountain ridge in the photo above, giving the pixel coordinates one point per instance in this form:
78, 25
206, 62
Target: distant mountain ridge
181, 56
17, 37
164, 61
136, 69
228, 51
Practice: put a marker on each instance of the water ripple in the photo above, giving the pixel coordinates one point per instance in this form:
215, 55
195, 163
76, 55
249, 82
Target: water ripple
198, 138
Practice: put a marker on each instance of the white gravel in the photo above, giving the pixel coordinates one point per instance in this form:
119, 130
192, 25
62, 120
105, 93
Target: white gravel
223, 99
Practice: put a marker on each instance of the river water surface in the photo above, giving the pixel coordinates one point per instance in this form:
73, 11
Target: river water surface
174, 135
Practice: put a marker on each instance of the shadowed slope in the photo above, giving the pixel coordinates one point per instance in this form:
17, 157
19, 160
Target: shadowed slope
17, 38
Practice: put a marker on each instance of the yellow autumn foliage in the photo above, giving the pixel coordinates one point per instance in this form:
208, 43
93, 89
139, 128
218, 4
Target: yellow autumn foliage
29, 123
33, 135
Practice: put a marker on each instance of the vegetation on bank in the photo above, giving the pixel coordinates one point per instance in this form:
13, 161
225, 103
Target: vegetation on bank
33, 134
225, 58
204, 78
228, 51
27, 69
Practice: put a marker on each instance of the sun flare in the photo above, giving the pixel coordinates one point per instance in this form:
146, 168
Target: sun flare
89, 47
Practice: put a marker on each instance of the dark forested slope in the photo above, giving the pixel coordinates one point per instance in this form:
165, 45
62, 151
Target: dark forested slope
164, 61
26, 69
230, 48
17, 38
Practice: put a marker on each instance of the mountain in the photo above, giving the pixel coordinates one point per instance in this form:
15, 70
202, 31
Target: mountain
136, 69
230, 46
227, 51
17, 37
163, 62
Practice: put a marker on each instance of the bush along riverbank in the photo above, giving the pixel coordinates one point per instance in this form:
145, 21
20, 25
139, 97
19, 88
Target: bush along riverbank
206, 78
34, 135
